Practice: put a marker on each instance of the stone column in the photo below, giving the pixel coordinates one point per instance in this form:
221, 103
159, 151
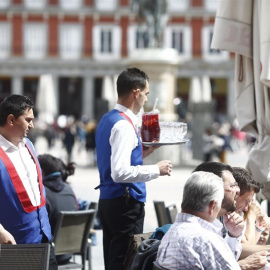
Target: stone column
231, 98
202, 118
88, 96
17, 85
56, 91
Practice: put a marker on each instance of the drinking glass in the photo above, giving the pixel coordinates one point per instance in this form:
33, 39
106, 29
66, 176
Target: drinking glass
164, 132
181, 130
150, 130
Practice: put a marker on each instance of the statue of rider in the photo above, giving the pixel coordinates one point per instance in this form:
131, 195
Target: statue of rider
154, 13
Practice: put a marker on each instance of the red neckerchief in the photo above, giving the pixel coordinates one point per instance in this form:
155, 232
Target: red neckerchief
17, 182
129, 120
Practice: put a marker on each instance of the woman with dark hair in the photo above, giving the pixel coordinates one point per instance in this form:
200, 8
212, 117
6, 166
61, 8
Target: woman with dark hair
59, 194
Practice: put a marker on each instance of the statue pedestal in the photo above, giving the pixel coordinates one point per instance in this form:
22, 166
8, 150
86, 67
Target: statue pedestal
202, 118
161, 66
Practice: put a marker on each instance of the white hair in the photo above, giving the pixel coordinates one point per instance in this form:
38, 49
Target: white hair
200, 189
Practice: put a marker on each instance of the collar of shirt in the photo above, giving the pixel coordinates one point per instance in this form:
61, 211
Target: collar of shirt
216, 226
128, 112
6, 145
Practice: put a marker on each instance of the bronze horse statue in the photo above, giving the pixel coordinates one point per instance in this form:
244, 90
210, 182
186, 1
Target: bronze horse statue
154, 12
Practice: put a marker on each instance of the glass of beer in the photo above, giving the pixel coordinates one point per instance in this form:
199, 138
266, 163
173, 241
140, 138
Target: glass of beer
150, 130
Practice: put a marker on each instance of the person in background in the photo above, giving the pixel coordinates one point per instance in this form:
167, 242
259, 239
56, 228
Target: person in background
69, 139
122, 174
23, 215
264, 236
49, 135
90, 142
224, 133
59, 194
246, 206
81, 134
208, 144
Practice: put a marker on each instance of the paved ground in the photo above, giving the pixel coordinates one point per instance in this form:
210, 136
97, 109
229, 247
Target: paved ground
168, 189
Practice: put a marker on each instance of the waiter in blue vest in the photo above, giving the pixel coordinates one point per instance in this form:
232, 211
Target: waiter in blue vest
122, 174
23, 215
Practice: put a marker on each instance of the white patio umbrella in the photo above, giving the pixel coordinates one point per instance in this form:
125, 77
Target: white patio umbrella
199, 104
195, 91
108, 91
206, 89
243, 27
46, 99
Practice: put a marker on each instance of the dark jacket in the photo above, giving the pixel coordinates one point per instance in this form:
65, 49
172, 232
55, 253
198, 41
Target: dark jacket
59, 197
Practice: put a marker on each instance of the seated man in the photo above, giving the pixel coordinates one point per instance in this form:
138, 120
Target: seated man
234, 222
255, 220
193, 241
251, 256
247, 207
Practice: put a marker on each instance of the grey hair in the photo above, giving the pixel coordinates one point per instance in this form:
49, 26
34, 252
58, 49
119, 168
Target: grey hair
200, 189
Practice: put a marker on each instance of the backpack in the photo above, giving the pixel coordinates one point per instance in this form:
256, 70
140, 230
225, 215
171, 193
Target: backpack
142, 247
133, 245
146, 255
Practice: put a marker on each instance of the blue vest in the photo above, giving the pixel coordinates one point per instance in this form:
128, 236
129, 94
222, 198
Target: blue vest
108, 188
27, 223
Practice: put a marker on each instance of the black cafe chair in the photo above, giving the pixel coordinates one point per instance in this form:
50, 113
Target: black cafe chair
24, 256
72, 236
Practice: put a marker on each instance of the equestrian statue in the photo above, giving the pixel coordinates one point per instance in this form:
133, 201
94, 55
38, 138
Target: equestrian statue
154, 13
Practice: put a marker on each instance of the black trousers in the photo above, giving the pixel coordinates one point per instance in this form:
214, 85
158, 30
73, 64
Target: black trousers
120, 218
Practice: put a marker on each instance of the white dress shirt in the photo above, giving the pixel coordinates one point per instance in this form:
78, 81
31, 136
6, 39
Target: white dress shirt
123, 140
194, 243
233, 242
25, 167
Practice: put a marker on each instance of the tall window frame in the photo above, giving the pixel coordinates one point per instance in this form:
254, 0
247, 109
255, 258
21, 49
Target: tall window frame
35, 4
209, 54
35, 40
5, 40
134, 42
70, 41
70, 4
107, 42
4, 4
179, 37
106, 5
211, 5
178, 5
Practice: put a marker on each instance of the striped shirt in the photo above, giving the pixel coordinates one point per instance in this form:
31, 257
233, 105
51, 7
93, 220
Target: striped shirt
194, 243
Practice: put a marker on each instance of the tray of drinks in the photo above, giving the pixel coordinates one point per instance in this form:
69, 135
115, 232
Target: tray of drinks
155, 133
160, 143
